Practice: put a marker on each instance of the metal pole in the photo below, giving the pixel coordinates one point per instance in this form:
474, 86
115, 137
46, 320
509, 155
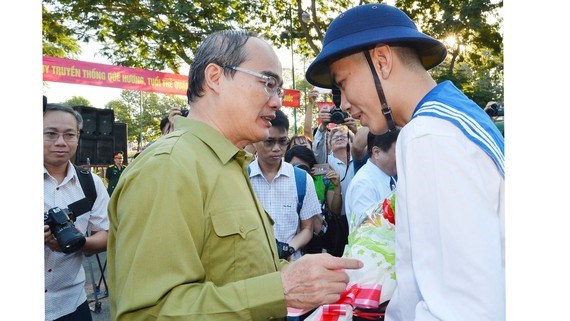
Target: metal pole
292, 62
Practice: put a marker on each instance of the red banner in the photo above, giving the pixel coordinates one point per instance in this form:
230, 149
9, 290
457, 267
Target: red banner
95, 74
292, 98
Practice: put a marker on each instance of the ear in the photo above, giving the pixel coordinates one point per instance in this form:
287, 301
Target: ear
213, 75
382, 57
375, 152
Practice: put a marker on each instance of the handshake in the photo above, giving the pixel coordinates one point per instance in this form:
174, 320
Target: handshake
284, 250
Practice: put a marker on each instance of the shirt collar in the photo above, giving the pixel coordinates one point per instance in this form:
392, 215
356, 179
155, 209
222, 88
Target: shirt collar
285, 169
70, 175
223, 148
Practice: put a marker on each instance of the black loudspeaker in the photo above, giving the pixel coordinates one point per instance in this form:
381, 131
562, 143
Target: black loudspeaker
96, 142
89, 115
120, 133
96, 121
105, 122
95, 150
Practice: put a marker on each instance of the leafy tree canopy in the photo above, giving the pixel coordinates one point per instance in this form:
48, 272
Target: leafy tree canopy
78, 101
164, 34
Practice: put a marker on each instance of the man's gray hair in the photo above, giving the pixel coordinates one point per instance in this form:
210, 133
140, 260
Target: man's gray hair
223, 48
67, 109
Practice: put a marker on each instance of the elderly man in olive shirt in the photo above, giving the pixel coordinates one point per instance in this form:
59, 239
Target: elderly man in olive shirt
188, 238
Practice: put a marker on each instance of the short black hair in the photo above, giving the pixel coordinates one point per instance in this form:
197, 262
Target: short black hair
280, 121
383, 141
302, 153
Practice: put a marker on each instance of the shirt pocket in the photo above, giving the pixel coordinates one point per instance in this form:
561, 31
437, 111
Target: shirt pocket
237, 237
235, 222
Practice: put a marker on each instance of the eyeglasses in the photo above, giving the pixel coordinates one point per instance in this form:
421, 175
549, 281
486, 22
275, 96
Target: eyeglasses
270, 86
283, 142
54, 136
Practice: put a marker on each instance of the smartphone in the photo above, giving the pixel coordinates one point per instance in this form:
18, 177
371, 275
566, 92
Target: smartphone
320, 169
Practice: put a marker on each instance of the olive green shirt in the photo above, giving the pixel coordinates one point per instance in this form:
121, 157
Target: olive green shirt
188, 239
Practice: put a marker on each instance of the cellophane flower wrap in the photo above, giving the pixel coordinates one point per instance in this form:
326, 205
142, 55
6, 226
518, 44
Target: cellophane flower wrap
371, 240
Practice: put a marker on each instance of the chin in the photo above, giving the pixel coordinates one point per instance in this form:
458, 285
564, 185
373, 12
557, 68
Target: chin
377, 128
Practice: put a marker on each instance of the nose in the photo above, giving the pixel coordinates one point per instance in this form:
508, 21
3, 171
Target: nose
344, 103
60, 140
276, 147
275, 102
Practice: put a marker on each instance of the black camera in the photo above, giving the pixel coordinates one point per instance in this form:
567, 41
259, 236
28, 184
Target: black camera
60, 222
284, 250
337, 114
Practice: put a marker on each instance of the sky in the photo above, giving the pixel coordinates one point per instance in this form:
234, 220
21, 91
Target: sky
537, 160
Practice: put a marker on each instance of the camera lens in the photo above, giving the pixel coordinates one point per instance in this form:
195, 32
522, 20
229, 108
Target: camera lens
338, 116
69, 239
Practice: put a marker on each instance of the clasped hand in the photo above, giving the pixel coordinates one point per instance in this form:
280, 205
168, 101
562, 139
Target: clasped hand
316, 279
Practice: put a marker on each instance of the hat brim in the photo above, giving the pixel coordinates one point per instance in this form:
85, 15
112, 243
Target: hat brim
431, 51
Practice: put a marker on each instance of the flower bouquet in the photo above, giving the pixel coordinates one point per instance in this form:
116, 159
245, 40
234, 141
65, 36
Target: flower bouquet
372, 242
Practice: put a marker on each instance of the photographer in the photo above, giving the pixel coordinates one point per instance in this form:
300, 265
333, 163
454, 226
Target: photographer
65, 297
326, 115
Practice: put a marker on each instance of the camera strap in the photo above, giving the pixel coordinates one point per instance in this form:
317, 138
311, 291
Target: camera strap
85, 204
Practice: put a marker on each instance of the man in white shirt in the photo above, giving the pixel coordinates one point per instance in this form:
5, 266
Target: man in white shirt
450, 160
372, 183
274, 183
65, 297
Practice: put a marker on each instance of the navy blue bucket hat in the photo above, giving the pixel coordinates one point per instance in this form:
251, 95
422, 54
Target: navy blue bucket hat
363, 27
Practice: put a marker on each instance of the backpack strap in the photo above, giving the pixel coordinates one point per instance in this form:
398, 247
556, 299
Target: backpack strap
85, 204
300, 182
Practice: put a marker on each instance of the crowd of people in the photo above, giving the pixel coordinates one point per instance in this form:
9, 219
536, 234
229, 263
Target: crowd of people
228, 216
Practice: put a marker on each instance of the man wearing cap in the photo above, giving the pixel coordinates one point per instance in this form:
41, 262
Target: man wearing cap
114, 172
450, 160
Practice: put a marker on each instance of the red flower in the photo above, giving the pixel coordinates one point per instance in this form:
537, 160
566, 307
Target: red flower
387, 209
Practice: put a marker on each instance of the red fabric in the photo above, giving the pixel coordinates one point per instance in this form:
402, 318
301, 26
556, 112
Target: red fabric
292, 98
95, 74
362, 296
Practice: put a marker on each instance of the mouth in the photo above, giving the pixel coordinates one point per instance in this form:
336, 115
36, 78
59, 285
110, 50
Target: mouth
60, 154
268, 119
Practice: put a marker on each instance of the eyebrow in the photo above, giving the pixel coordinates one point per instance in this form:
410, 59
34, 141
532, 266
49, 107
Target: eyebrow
57, 130
274, 75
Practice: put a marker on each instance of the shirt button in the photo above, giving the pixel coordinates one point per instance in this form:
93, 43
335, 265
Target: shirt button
49, 270
45, 291
57, 188
241, 229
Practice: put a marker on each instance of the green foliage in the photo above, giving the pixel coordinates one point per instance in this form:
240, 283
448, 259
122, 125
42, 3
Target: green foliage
164, 34
475, 59
154, 107
58, 40
147, 34
78, 101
